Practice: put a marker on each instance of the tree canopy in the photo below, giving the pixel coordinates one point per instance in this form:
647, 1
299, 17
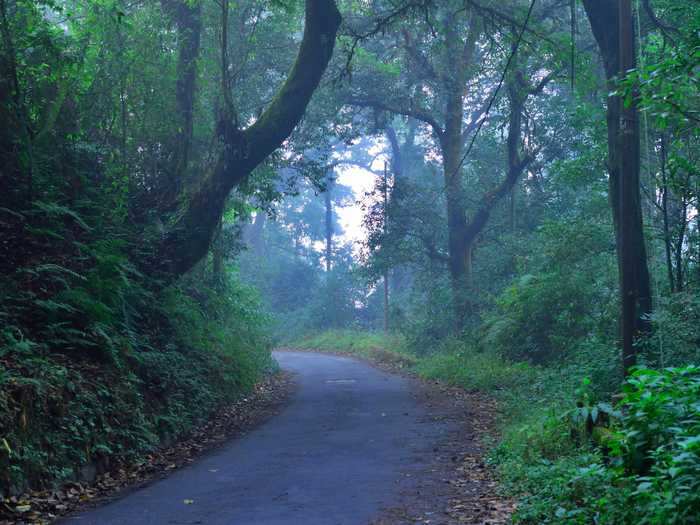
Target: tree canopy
511, 185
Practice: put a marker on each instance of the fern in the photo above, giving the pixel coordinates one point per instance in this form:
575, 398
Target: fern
53, 209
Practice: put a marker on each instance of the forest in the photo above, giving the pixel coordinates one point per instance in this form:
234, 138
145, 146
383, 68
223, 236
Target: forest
500, 196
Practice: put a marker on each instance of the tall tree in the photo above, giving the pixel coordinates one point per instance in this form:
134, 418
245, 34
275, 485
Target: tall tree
447, 74
192, 228
613, 27
448, 96
328, 219
187, 17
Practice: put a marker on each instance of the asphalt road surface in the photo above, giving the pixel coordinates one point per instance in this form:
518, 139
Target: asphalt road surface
349, 441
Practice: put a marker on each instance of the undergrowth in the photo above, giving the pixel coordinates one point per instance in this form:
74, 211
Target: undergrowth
363, 344
97, 368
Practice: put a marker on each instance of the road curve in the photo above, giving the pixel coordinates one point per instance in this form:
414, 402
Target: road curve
341, 451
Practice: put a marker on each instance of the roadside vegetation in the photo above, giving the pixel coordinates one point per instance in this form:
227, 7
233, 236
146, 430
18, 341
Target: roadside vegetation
500, 194
80, 396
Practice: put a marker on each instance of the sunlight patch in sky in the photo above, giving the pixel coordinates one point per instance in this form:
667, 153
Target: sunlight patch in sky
350, 217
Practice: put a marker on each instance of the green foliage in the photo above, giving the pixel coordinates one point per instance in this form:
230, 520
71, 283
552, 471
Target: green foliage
676, 335
659, 441
646, 470
424, 313
366, 59
58, 416
473, 369
103, 384
333, 304
363, 344
570, 296
285, 263
99, 363
563, 490
668, 85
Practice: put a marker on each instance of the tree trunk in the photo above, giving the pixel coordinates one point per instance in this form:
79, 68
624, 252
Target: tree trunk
396, 160
217, 256
612, 27
697, 232
329, 222
189, 235
630, 221
664, 217
514, 168
667, 236
681, 218
255, 234
386, 301
456, 227
452, 146
385, 192
187, 17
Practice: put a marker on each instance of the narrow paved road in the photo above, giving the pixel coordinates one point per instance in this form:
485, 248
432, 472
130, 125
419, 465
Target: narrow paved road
339, 452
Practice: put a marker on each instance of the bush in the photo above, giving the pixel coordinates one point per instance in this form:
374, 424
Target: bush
157, 373
676, 336
363, 344
540, 317
566, 292
471, 369
646, 469
658, 444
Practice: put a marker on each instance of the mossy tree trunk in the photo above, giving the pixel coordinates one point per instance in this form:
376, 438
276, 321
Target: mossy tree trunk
187, 17
189, 235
